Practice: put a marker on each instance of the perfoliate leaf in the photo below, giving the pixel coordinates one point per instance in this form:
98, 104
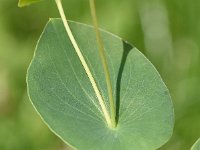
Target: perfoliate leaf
23, 3
63, 96
196, 145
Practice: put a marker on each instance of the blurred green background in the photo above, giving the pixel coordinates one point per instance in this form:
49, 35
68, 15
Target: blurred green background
166, 31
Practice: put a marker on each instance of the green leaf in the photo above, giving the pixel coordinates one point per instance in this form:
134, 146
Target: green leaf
23, 3
196, 145
63, 96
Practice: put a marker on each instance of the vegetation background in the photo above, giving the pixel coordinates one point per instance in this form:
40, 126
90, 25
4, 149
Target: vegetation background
166, 31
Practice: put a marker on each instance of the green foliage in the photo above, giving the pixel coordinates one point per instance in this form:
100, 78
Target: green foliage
26, 2
62, 93
196, 145
20, 29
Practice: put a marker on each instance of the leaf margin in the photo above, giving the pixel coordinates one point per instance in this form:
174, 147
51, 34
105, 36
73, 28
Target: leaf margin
196, 145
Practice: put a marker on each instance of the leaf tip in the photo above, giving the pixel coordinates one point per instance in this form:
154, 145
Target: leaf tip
23, 3
20, 4
50, 19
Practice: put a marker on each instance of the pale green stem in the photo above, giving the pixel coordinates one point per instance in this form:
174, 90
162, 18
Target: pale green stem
104, 62
85, 66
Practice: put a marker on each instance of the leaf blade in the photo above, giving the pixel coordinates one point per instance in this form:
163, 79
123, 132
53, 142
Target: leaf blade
150, 111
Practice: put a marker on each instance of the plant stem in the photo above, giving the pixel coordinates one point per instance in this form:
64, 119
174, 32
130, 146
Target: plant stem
104, 62
85, 66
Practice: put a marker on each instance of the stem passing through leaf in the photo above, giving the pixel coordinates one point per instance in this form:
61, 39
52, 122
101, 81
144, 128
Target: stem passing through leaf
85, 66
104, 62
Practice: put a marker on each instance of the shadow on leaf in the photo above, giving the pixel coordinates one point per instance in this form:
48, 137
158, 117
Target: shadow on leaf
126, 49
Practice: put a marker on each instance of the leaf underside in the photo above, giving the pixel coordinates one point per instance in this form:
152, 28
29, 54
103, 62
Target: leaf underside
23, 3
63, 96
196, 145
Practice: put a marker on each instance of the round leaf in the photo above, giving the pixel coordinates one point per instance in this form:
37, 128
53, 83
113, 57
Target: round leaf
63, 96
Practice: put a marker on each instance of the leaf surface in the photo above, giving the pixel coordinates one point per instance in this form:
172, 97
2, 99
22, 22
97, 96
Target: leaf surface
196, 145
63, 96
23, 3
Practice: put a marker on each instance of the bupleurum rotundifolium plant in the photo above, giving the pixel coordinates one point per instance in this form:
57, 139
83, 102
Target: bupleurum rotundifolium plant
96, 91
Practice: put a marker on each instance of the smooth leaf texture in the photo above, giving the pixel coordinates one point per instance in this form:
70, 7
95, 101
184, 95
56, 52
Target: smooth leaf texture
62, 93
196, 145
26, 2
